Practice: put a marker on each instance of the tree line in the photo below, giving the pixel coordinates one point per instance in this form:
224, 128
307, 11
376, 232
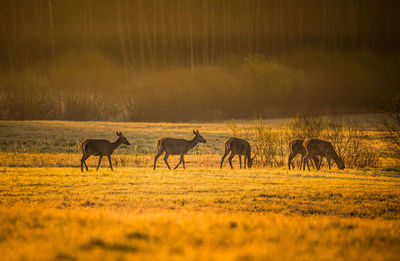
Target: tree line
164, 33
182, 60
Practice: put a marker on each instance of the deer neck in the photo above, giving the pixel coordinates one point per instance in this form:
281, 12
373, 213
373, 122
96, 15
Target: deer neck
335, 157
248, 157
116, 143
193, 142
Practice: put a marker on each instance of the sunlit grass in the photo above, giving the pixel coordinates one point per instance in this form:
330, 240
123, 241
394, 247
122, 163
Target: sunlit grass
60, 213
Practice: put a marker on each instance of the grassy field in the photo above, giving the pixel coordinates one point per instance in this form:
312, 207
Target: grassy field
49, 210
56, 143
64, 136
60, 213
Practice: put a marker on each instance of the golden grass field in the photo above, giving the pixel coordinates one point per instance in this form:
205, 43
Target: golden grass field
206, 214
53, 211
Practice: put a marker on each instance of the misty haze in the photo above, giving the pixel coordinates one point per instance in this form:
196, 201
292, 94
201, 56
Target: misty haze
195, 60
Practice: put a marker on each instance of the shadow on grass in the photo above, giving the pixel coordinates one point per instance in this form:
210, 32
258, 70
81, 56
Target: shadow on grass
98, 243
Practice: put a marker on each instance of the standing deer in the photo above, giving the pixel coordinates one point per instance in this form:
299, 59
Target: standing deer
239, 147
173, 146
324, 149
296, 147
100, 148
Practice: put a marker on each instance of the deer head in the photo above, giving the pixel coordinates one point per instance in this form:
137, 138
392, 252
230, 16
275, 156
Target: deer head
340, 163
250, 162
123, 139
198, 136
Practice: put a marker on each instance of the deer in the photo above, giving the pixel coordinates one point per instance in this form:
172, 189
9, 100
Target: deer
324, 149
100, 148
172, 146
238, 147
296, 147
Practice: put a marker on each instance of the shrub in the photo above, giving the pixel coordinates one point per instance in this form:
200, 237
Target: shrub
304, 126
389, 124
268, 145
347, 138
349, 142
234, 128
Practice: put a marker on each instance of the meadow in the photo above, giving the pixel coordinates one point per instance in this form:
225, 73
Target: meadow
50, 210
198, 214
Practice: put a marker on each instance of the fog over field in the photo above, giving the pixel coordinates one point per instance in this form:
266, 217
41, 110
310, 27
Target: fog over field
195, 60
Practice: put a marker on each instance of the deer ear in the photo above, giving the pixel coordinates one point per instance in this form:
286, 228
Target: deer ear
194, 132
197, 131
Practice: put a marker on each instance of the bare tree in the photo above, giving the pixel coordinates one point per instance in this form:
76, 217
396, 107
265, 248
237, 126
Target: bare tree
389, 125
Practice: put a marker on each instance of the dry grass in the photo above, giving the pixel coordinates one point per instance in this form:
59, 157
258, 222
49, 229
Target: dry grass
17, 159
49, 210
60, 213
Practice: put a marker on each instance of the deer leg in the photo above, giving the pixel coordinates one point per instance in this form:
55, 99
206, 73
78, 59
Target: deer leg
240, 160
100, 157
86, 166
245, 161
305, 161
290, 158
329, 163
84, 157
183, 161
82, 163
180, 160
109, 161
312, 164
301, 161
156, 157
165, 159
230, 159
223, 157
318, 162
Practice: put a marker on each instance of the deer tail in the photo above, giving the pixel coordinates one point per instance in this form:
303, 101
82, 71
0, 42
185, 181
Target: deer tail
159, 146
227, 145
83, 147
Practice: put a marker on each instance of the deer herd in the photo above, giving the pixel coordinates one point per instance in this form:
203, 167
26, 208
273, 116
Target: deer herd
311, 151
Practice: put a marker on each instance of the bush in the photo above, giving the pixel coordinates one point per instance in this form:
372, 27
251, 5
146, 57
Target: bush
349, 142
389, 124
347, 138
268, 146
303, 126
234, 128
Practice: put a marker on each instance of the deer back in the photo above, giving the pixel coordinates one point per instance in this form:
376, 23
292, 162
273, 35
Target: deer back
97, 147
238, 146
175, 146
323, 148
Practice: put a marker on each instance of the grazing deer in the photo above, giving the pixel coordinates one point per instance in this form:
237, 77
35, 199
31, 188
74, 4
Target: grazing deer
238, 147
324, 149
296, 147
100, 148
173, 146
